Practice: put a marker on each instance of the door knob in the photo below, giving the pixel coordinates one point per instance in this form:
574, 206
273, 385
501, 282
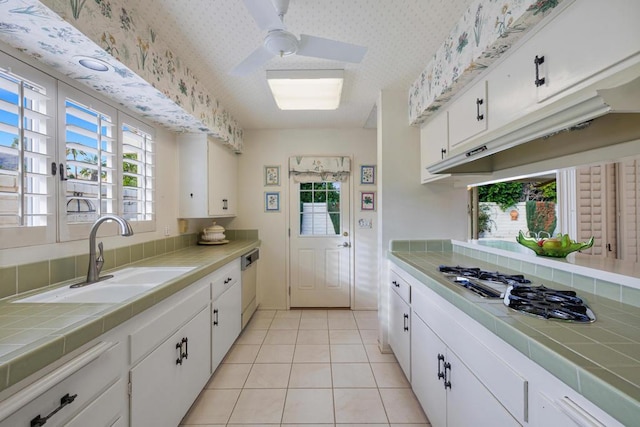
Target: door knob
345, 245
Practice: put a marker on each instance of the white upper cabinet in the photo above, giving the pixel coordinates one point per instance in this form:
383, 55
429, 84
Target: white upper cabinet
208, 178
468, 116
434, 145
586, 39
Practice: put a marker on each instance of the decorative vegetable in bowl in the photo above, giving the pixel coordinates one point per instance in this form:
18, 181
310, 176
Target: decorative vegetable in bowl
557, 247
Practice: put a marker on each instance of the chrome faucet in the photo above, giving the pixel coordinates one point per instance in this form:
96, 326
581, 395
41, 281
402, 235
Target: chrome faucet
95, 263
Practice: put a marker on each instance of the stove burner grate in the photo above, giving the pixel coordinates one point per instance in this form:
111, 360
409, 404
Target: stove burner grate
548, 303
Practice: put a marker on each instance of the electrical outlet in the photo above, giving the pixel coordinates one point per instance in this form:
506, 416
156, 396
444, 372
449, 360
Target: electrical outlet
166, 230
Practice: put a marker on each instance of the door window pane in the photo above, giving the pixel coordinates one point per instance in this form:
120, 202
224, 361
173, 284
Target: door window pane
320, 209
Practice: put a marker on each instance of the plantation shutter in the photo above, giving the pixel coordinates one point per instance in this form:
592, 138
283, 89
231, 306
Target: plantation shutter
138, 176
27, 102
596, 208
87, 129
630, 210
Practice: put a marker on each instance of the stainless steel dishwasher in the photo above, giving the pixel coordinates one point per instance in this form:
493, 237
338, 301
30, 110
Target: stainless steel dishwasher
249, 267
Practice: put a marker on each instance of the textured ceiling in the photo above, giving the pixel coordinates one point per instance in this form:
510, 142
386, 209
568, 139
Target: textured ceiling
212, 36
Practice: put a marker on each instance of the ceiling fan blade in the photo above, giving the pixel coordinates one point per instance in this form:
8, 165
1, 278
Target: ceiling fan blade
257, 58
330, 49
265, 14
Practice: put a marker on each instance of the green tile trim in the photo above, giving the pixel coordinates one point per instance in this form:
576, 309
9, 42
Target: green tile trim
39, 356
630, 296
417, 246
608, 290
595, 385
33, 276
75, 337
62, 269
9, 283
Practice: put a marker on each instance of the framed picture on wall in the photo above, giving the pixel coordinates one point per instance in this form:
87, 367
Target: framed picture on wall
367, 200
271, 175
272, 201
367, 174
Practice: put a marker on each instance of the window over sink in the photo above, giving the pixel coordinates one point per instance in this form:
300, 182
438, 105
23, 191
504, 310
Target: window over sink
53, 187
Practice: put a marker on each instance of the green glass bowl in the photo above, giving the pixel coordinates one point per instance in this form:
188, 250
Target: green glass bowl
564, 247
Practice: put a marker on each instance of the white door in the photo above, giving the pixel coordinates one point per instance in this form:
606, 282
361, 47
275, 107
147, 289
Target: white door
320, 244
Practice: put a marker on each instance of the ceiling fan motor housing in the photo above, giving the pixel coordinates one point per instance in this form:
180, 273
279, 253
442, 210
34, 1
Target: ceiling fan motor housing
281, 42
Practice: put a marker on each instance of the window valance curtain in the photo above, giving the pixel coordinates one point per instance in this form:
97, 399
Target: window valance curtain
319, 169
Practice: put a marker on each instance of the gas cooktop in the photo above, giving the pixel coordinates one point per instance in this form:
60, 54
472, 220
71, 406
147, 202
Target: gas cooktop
517, 293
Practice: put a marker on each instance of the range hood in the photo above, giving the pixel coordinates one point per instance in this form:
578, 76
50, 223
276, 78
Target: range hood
576, 128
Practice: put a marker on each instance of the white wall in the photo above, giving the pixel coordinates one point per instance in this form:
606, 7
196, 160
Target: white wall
408, 209
274, 147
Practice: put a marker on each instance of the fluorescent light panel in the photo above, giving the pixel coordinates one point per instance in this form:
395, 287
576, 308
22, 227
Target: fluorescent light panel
306, 89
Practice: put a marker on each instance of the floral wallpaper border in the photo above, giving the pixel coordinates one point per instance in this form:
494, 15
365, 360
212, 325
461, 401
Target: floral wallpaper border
142, 73
485, 31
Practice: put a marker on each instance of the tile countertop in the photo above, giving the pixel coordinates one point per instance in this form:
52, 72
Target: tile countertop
600, 360
34, 335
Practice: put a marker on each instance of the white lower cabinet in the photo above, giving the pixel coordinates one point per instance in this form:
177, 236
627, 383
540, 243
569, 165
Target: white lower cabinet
166, 382
226, 322
447, 390
68, 394
399, 333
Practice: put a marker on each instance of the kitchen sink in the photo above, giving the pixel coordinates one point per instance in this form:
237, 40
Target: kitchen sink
124, 284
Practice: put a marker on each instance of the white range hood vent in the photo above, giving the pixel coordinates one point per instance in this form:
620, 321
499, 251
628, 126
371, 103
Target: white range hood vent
579, 123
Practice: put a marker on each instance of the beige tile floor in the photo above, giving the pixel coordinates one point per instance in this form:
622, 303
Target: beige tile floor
308, 368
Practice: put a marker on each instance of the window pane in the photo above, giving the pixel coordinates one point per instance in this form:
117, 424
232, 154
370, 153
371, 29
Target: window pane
137, 174
90, 150
320, 209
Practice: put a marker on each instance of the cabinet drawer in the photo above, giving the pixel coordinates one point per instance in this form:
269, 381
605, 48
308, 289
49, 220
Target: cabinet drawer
105, 410
225, 278
158, 327
86, 384
400, 286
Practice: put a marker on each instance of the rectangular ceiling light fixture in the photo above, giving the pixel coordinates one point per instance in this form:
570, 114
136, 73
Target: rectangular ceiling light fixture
306, 89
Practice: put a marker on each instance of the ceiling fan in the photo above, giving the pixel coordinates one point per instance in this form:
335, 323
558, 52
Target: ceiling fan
269, 15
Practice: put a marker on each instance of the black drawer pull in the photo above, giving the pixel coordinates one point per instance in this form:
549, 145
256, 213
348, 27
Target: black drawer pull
179, 348
479, 102
440, 373
64, 401
396, 284
538, 61
215, 317
406, 322
185, 341
447, 380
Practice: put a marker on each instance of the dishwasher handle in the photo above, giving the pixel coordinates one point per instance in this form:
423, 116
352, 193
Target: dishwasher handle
249, 258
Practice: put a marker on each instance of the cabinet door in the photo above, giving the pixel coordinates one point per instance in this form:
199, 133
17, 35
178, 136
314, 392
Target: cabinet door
399, 332
469, 402
425, 366
227, 323
192, 161
434, 144
468, 116
573, 51
162, 389
223, 177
